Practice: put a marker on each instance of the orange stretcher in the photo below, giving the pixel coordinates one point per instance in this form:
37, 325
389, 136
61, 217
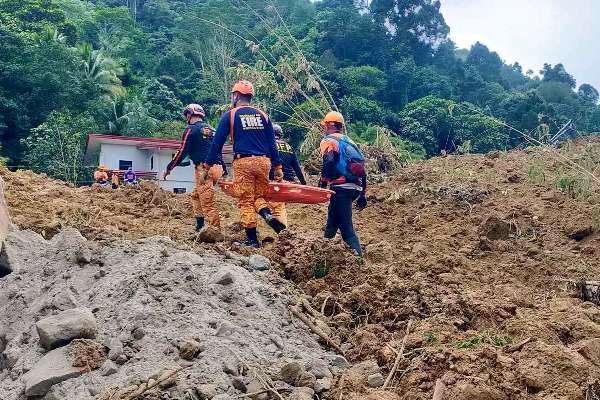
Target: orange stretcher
286, 192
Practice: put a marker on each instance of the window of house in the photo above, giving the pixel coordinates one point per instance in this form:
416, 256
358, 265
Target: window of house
152, 163
124, 164
179, 190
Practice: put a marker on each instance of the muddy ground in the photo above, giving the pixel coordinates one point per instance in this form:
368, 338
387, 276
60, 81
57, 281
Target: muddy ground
478, 251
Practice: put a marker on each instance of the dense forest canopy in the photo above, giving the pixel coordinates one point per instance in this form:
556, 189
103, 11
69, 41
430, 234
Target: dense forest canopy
127, 67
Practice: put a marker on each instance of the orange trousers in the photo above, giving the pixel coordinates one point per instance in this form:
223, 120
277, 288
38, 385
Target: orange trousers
250, 186
203, 198
279, 211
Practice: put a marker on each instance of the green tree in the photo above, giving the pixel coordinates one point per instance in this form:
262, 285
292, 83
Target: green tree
588, 93
101, 70
558, 73
163, 105
56, 147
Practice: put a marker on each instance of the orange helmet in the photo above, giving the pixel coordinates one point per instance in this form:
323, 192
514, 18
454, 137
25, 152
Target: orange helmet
243, 87
333, 116
194, 109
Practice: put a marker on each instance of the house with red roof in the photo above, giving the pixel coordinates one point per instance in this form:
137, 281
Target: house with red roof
148, 157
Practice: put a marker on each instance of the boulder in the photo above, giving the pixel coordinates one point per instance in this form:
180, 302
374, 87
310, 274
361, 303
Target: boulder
60, 329
256, 262
55, 367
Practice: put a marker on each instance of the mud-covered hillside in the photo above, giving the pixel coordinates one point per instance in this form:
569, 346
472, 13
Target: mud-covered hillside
479, 252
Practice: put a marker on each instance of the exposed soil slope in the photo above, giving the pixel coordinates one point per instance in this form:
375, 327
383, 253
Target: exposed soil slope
477, 250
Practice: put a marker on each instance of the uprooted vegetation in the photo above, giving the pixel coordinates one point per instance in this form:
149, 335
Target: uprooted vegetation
476, 250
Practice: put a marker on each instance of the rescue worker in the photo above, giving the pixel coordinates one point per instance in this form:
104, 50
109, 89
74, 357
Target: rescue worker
196, 142
255, 152
129, 177
291, 170
347, 179
115, 179
101, 176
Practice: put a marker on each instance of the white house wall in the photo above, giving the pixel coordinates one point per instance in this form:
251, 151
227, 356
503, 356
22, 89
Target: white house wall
180, 177
110, 154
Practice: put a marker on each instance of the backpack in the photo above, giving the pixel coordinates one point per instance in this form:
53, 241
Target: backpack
351, 163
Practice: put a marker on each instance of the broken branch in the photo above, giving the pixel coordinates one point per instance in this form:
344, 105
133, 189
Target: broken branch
295, 311
399, 356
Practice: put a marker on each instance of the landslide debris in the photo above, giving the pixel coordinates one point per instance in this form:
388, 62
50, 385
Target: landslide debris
145, 317
477, 250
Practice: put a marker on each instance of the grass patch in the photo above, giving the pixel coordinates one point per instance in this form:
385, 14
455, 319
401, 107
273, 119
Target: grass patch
485, 339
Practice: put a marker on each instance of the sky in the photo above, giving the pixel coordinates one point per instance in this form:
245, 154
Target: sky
532, 32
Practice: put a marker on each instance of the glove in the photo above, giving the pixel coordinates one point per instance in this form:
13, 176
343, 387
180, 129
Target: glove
278, 173
361, 202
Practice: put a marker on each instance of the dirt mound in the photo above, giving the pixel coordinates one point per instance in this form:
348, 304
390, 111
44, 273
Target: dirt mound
476, 250
158, 307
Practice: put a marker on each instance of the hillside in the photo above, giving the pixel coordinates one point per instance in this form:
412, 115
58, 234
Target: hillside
478, 251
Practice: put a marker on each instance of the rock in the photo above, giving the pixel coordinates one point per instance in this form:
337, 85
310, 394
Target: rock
581, 232
306, 379
206, 391
225, 329
358, 374
231, 367
14, 245
302, 393
54, 367
83, 255
189, 348
323, 385
375, 380
589, 348
257, 262
108, 368
210, 234
116, 349
60, 329
239, 384
223, 278
255, 386
339, 361
290, 372
138, 333
319, 368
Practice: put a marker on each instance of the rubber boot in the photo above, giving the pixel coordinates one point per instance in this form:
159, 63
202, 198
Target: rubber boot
199, 223
354, 244
273, 222
251, 239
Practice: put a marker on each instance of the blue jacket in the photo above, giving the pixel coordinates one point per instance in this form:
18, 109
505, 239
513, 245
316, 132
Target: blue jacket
251, 133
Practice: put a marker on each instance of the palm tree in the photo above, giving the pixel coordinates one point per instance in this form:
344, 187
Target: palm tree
101, 69
51, 35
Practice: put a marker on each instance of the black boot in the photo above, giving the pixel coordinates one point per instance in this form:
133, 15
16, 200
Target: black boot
251, 239
199, 223
273, 222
